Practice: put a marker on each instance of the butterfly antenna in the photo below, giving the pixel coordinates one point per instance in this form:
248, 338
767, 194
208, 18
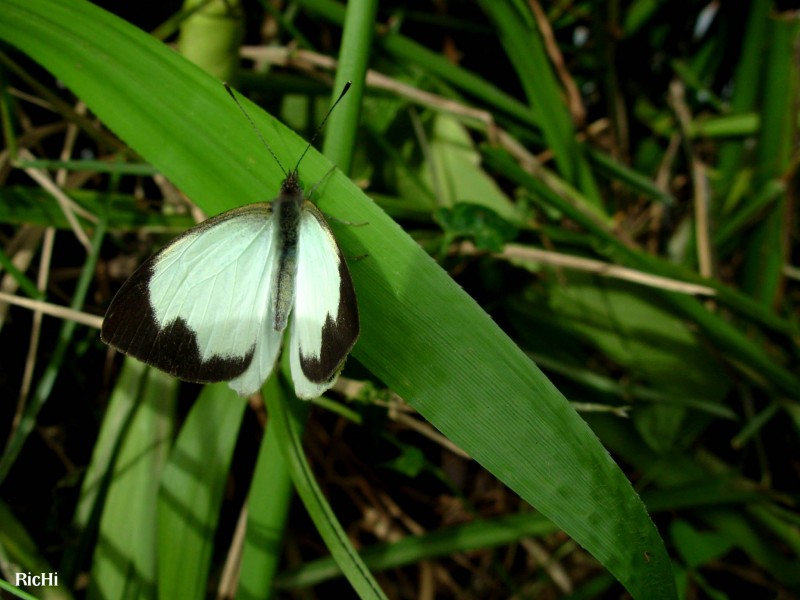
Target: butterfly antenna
319, 128
253, 125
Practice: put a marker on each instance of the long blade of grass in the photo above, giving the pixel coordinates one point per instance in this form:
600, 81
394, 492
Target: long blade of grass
411, 549
525, 48
288, 417
340, 140
767, 251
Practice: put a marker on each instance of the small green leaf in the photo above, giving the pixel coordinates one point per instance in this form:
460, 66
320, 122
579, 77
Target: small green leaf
489, 230
410, 462
698, 547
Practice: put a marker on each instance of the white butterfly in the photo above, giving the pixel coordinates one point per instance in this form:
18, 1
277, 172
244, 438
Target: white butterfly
213, 304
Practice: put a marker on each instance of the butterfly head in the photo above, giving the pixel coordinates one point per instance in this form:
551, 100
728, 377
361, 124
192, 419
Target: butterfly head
291, 185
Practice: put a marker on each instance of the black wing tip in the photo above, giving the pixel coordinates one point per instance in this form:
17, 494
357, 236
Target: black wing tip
174, 350
130, 326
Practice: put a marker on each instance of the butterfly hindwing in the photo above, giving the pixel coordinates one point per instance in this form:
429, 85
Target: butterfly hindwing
199, 309
325, 322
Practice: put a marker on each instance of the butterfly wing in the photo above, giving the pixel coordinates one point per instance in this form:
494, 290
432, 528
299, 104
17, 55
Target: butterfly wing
325, 323
199, 309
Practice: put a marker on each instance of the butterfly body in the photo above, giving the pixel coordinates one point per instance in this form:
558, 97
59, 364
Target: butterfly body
287, 207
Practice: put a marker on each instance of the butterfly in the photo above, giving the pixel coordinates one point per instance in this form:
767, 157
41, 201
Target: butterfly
213, 304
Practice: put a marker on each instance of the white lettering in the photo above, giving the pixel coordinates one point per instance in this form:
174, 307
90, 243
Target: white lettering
28, 580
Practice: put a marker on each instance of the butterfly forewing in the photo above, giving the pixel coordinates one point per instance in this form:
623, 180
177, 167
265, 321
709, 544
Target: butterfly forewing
197, 308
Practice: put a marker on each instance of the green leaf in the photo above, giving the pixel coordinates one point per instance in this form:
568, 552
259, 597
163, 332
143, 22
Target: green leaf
410, 462
453, 171
488, 229
124, 561
269, 500
210, 37
698, 547
192, 484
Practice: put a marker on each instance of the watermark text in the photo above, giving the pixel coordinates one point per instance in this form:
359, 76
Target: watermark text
29, 580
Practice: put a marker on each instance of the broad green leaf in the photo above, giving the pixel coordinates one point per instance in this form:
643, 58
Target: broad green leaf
268, 505
192, 484
116, 422
453, 171
211, 35
124, 561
